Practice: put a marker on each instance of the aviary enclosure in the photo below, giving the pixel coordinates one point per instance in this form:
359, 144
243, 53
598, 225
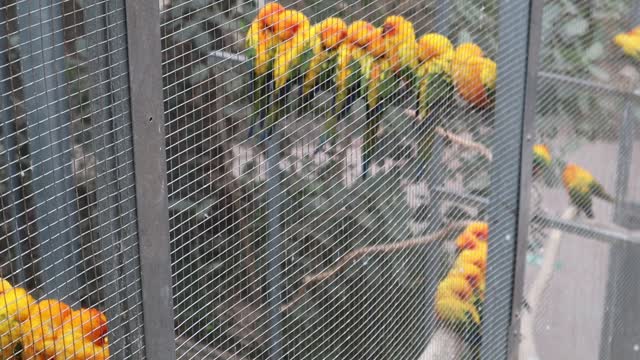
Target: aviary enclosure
334, 179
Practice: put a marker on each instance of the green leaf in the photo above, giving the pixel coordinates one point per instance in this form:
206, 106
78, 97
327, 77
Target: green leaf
576, 27
599, 73
594, 51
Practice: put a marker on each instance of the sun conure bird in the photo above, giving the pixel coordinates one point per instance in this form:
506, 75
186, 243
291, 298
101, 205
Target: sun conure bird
474, 233
435, 89
582, 186
322, 70
377, 86
261, 45
473, 274
541, 159
292, 59
402, 53
348, 75
475, 78
629, 42
476, 256
474, 75
12, 302
38, 324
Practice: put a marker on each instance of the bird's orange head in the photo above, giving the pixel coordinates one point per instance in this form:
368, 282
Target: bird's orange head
466, 240
288, 23
376, 46
432, 46
268, 14
575, 177
92, 323
479, 229
473, 274
396, 25
333, 31
360, 32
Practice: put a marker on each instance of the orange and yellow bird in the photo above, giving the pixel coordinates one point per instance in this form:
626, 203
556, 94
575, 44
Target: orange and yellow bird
581, 187
377, 84
541, 159
474, 75
332, 32
296, 40
261, 43
629, 42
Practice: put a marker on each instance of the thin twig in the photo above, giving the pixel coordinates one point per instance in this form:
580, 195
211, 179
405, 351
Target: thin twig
473, 145
356, 254
457, 139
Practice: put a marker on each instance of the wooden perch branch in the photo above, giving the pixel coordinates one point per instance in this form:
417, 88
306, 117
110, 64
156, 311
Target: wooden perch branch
457, 139
470, 144
308, 281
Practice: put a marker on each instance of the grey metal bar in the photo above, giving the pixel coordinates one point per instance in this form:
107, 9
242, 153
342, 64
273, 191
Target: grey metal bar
519, 37
50, 143
15, 210
145, 79
113, 297
547, 76
127, 252
572, 227
621, 324
275, 246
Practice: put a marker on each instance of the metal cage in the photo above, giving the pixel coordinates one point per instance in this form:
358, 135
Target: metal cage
190, 179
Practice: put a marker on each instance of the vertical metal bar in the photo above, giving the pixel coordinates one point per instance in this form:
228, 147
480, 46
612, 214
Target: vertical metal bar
15, 210
109, 185
145, 79
620, 325
50, 143
519, 43
274, 246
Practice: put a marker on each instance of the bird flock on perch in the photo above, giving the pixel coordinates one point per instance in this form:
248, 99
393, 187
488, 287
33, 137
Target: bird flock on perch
48, 329
381, 65
359, 61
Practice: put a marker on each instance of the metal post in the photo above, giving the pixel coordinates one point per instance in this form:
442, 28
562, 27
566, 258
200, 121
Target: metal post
145, 79
275, 246
15, 210
106, 52
620, 333
519, 42
50, 143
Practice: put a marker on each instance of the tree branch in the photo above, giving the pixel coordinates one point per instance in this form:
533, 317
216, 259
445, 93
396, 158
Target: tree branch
308, 281
457, 139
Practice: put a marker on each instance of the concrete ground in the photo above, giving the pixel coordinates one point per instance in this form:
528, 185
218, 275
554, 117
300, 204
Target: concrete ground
570, 315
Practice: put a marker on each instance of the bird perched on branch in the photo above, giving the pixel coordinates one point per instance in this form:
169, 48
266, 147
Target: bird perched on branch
629, 42
541, 159
581, 187
295, 39
376, 86
348, 76
261, 43
435, 89
322, 71
474, 75
402, 54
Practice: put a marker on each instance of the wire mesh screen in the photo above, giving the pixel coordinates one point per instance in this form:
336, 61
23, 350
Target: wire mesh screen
581, 279
68, 239
330, 166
